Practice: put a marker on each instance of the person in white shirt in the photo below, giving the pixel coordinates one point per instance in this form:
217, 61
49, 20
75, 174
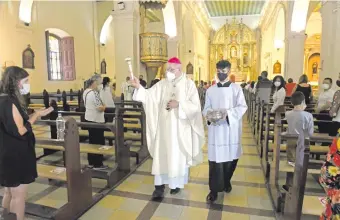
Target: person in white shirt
94, 113
127, 89
279, 92
326, 97
324, 104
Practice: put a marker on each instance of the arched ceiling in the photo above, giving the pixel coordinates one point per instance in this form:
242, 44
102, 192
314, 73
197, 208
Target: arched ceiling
247, 10
233, 8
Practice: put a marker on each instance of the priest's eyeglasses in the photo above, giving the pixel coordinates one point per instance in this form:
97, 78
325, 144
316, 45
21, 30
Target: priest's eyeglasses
171, 70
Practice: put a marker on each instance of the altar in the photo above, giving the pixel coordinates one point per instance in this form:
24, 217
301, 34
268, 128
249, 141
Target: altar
236, 43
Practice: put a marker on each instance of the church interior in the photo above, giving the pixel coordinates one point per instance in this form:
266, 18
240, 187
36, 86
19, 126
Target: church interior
61, 44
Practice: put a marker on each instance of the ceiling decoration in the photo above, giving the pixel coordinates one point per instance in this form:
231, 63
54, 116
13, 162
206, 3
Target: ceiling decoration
233, 8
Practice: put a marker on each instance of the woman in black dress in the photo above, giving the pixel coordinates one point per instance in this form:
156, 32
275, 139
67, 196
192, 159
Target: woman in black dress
17, 141
305, 88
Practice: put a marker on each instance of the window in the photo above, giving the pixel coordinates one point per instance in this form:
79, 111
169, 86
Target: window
60, 57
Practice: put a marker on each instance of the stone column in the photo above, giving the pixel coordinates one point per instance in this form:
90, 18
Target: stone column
126, 41
173, 50
328, 41
295, 55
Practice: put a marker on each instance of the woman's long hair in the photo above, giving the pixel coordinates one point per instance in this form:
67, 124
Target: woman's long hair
303, 79
10, 81
106, 81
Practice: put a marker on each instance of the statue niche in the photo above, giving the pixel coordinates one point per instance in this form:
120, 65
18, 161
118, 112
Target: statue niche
277, 68
190, 69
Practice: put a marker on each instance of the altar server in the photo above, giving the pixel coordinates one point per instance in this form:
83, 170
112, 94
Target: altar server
174, 127
224, 138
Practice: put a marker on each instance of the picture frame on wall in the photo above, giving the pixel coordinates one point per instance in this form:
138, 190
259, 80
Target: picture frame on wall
28, 58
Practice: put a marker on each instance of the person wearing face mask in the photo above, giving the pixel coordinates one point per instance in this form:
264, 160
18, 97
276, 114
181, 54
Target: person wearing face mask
175, 134
17, 142
279, 92
224, 136
94, 112
324, 103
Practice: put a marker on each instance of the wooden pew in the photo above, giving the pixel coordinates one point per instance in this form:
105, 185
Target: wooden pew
77, 178
294, 207
121, 150
278, 165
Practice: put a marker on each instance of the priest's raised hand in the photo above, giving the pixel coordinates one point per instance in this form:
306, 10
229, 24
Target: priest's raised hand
135, 82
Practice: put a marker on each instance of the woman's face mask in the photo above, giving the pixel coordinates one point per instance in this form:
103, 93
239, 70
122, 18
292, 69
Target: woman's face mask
24, 86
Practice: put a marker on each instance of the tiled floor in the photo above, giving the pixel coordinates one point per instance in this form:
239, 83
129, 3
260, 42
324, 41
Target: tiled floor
131, 200
248, 200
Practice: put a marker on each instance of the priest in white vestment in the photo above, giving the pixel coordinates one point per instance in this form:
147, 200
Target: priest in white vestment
224, 108
174, 124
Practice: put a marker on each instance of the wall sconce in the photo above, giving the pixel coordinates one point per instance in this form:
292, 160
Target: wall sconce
278, 44
121, 5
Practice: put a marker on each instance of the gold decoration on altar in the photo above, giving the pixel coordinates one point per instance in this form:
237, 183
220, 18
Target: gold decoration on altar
277, 68
235, 42
153, 52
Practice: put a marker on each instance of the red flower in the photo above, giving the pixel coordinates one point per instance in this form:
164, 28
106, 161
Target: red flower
328, 211
333, 149
336, 159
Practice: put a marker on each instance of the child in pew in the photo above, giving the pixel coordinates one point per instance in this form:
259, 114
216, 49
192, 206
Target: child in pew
299, 122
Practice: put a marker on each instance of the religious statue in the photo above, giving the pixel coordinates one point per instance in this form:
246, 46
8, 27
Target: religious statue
277, 68
103, 67
245, 60
233, 52
315, 68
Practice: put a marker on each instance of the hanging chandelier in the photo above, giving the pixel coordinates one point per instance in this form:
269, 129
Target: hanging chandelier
153, 4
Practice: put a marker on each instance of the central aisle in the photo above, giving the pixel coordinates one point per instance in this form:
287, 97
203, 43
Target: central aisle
248, 200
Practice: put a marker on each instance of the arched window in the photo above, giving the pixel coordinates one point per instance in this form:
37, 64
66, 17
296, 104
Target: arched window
54, 57
60, 57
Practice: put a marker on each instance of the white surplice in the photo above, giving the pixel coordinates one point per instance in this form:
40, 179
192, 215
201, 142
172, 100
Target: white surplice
175, 138
127, 89
224, 140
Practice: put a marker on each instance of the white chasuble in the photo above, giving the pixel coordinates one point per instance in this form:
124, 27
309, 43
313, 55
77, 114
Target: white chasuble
224, 140
175, 137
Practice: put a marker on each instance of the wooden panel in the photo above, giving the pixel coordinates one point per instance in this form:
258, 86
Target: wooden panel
67, 54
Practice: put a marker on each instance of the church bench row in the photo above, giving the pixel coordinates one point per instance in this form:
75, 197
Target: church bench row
272, 176
138, 150
294, 203
78, 179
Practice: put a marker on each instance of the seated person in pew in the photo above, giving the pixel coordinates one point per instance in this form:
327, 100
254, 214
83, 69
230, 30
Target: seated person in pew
334, 112
17, 142
323, 105
279, 92
299, 122
330, 181
94, 112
